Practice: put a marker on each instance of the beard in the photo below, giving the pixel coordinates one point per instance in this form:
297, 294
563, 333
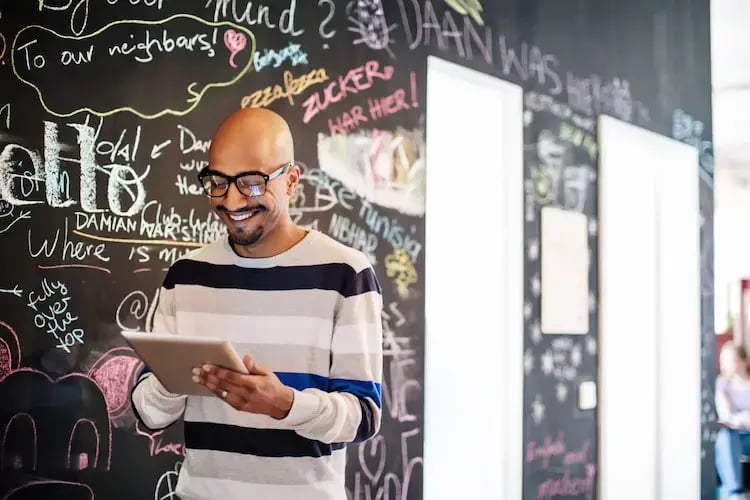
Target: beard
245, 238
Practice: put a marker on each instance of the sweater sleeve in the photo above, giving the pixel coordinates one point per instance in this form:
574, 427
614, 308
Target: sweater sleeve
350, 410
153, 404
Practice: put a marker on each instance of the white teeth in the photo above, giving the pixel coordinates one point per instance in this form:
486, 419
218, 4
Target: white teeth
242, 216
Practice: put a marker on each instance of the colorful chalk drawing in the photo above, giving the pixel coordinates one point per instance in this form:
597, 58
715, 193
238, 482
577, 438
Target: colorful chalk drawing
385, 167
115, 373
10, 350
468, 7
197, 95
235, 42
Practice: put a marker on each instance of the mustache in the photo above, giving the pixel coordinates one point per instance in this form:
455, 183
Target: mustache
241, 210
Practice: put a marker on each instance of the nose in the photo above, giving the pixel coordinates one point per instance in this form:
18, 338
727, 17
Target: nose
234, 199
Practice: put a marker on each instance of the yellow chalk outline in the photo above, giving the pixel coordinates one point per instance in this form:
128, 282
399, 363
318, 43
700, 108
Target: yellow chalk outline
138, 242
193, 98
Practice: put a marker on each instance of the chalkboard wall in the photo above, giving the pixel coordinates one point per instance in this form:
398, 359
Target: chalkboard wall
106, 113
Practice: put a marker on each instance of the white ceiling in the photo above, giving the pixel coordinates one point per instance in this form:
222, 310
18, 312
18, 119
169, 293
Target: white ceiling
730, 55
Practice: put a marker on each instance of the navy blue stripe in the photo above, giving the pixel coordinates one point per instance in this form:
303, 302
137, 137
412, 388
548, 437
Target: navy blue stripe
360, 388
249, 441
364, 282
366, 428
337, 277
144, 371
302, 381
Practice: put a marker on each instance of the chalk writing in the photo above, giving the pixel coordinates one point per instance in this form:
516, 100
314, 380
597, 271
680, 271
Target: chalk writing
157, 445
591, 96
348, 232
323, 31
390, 230
120, 177
355, 80
256, 13
378, 107
67, 249
275, 58
135, 311
79, 14
578, 473
292, 87
421, 24
51, 306
136, 41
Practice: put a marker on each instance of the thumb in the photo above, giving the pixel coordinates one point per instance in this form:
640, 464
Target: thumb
252, 367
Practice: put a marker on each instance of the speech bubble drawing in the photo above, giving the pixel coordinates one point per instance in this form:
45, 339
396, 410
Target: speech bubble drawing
235, 42
95, 53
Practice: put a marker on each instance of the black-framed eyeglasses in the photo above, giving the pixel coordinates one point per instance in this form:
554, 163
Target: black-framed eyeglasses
251, 183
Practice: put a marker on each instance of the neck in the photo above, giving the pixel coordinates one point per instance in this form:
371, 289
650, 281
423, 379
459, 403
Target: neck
281, 239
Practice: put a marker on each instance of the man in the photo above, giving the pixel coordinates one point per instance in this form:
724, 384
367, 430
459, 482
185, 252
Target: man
303, 309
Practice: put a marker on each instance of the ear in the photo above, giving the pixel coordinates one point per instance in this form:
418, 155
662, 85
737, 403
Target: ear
293, 176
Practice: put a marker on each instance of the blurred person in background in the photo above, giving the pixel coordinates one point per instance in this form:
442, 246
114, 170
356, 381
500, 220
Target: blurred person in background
733, 408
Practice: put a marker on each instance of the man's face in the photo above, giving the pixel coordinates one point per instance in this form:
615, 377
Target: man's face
250, 218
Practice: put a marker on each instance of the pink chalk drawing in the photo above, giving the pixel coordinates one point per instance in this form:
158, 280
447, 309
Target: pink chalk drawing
41, 385
9, 346
115, 373
50, 487
34, 447
83, 461
235, 42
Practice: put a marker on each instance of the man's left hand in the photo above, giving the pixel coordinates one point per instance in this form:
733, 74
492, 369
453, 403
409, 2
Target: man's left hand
258, 391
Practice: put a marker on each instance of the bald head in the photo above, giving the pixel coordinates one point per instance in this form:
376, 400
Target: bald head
256, 138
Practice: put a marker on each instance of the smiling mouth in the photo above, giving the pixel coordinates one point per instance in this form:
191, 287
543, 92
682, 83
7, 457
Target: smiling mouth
245, 215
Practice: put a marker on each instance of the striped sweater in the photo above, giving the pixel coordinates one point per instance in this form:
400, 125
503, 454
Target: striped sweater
312, 314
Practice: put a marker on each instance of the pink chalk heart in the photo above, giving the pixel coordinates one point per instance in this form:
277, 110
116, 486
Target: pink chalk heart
235, 42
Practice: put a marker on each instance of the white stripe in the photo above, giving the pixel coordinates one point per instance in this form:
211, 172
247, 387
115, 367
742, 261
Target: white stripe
215, 410
196, 488
358, 339
292, 330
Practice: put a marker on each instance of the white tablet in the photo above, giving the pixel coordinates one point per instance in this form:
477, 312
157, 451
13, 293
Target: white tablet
172, 358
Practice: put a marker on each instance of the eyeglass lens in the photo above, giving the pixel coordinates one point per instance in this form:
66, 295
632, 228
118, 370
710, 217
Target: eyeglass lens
249, 185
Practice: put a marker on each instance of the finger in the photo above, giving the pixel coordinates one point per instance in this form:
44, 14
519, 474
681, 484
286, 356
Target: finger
224, 384
224, 374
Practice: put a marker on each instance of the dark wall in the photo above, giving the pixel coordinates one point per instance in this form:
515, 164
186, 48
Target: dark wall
101, 138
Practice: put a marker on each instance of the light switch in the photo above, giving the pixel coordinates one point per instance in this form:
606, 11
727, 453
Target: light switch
587, 395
